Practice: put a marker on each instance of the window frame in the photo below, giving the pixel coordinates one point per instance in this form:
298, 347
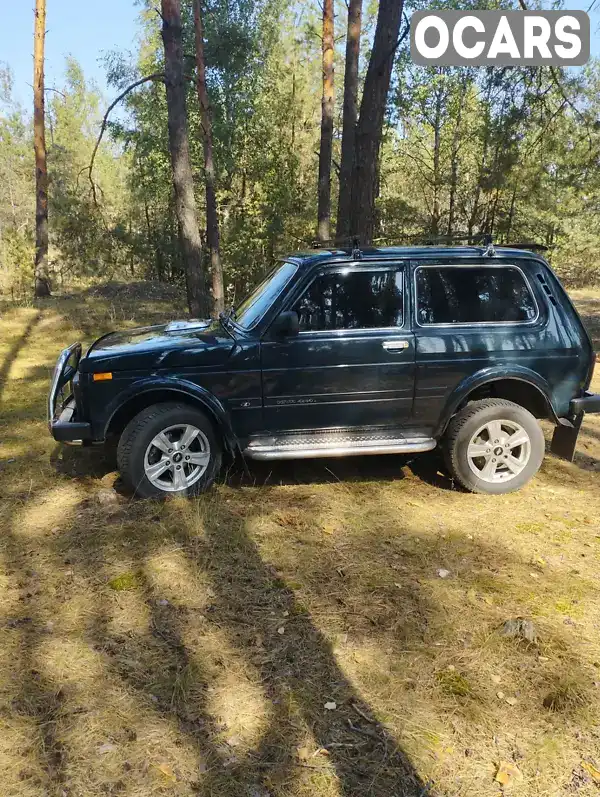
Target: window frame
462, 324
355, 268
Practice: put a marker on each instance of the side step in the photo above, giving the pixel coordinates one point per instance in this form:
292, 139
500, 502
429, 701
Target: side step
336, 443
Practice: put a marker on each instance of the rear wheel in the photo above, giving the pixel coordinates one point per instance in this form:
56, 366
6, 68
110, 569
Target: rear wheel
494, 446
169, 449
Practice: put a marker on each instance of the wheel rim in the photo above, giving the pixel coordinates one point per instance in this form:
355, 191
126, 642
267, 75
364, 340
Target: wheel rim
177, 457
499, 451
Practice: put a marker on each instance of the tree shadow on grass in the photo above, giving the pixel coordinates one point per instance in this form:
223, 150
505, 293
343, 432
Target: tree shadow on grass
15, 349
300, 666
427, 467
297, 671
557, 469
166, 666
35, 702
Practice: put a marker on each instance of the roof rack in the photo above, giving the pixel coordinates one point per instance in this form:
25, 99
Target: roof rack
353, 242
483, 240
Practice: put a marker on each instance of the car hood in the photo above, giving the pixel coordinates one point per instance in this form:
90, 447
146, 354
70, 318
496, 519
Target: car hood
173, 345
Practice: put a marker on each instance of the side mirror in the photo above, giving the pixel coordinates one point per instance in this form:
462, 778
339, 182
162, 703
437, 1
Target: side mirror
287, 324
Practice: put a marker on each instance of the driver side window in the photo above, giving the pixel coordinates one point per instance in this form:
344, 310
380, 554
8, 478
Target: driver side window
352, 300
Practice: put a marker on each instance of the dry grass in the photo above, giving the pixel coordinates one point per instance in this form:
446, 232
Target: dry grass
190, 648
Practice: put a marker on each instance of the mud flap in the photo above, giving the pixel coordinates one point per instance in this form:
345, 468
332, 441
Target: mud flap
564, 439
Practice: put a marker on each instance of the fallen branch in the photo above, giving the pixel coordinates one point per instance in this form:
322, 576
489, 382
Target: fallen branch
364, 732
362, 714
122, 95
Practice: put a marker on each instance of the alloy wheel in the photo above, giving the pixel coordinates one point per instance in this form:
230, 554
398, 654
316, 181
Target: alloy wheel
177, 457
498, 451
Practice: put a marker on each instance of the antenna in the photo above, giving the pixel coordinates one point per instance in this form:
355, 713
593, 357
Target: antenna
489, 243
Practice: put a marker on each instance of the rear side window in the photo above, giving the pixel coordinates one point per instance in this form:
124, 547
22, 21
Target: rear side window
473, 295
352, 300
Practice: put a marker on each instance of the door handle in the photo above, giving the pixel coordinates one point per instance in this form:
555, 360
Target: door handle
395, 345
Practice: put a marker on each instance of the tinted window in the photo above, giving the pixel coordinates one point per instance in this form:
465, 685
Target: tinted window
262, 297
457, 295
352, 300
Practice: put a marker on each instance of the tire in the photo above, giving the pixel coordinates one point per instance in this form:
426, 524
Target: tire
502, 467
152, 440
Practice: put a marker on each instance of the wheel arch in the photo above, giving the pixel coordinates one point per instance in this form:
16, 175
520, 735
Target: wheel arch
148, 392
523, 387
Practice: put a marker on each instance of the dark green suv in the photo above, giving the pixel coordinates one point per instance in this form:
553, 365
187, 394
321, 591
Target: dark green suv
342, 352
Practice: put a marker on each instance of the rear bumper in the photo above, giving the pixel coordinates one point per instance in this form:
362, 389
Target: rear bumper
61, 415
588, 403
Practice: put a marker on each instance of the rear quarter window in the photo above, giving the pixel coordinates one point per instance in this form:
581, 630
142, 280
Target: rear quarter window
473, 295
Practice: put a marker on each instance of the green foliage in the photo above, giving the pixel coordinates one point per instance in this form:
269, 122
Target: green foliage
16, 194
89, 237
86, 240
264, 86
16, 262
511, 151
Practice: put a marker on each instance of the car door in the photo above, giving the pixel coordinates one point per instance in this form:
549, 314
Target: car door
353, 362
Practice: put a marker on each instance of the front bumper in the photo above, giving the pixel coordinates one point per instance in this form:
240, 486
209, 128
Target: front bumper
65, 429
62, 415
564, 439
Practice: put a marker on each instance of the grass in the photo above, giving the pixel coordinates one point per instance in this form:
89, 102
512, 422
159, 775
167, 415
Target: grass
190, 648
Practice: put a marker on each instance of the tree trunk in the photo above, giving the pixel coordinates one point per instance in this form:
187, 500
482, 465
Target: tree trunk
369, 128
437, 182
511, 215
484, 156
183, 184
454, 158
212, 218
350, 117
42, 281
325, 151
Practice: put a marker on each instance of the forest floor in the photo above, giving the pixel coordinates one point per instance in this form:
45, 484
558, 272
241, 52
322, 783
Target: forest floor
293, 635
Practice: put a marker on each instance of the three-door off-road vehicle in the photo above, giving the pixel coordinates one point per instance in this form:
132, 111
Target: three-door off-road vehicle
339, 352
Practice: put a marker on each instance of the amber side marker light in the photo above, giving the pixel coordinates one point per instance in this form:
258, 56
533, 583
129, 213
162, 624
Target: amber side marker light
101, 377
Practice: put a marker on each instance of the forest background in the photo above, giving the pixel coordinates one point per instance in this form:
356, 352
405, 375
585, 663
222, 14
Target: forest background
461, 152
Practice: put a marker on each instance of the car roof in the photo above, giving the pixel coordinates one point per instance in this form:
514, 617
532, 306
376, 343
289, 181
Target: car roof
312, 257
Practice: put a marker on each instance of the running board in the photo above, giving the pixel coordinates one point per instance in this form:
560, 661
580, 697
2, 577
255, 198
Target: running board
308, 446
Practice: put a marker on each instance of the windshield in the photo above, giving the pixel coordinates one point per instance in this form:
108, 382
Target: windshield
254, 306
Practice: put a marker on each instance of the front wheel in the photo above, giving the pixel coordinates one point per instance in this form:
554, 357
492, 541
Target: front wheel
169, 449
494, 446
